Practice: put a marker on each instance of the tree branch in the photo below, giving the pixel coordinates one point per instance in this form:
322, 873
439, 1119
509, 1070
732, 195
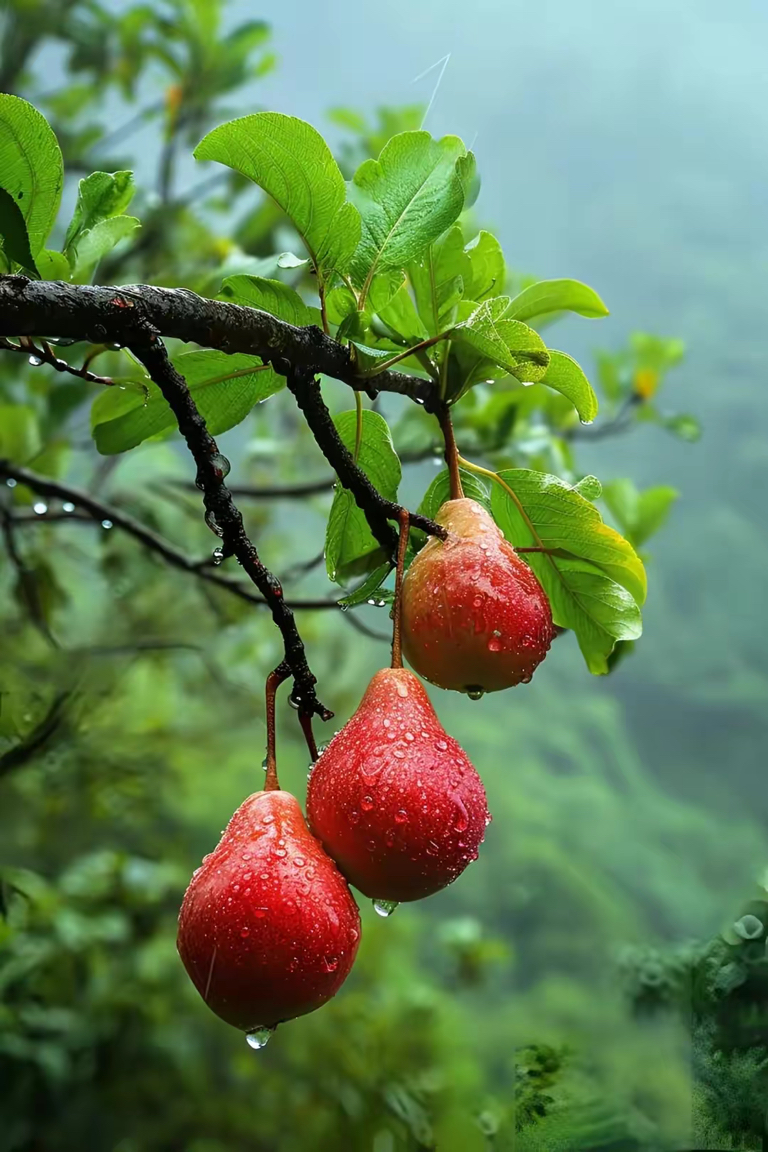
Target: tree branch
223, 517
98, 314
378, 511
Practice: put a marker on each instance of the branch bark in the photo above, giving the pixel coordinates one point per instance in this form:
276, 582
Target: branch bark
378, 511
98, 314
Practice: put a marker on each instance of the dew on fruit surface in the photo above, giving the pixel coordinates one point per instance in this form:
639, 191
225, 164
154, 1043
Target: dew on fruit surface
247, 892
384, 907
258, 1038
391, 736
402, 690
401, 816
477, 602
387, 723
488, 819
299, 861
441, 746
330, 963
246, 855
494, 644
461, 823
371, 845
280, 852
354, 816
409, 737
367, 803
475, 692
247, 875
432, 848
310, 873
268, 820
398, 753
235, 887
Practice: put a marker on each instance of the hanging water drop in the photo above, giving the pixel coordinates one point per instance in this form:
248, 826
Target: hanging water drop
40, 508
106, 524
384, 907
258, 1038
217, 556
67, 506
35, 361
221, 466
475, 692
210, 520
10, 483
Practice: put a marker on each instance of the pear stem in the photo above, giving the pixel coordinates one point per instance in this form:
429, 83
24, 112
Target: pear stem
274, 680
451, 454
305, 719
402, 546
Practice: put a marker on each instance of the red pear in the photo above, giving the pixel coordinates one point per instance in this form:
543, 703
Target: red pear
474, 616
268, 929
393, 797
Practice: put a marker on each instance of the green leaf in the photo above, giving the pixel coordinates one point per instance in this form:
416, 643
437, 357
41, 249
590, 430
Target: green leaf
225, 389
89, 246
31, 167
594, 589
407, 198
440, 490
556, 296
488, 272
566, 377
684, 426
349, 545
364, 592
100, 196
438, 277
13, 234
400, 316
508, 343
270, 296
639, 514
19, 433
52, 265
290, 160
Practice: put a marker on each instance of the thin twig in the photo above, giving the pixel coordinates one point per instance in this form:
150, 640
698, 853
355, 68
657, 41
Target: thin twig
45, 355
98, 512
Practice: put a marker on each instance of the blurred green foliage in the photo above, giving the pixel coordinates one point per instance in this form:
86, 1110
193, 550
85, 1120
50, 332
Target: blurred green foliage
130, 728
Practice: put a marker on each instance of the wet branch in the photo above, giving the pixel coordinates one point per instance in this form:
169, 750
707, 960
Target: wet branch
89, 510
378, 510
99, 314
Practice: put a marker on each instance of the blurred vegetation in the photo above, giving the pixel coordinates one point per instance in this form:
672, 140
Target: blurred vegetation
525, 1008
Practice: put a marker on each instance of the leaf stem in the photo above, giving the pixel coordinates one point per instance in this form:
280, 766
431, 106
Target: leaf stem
412, 350
274, 680
404, 521
452, 457
358, 426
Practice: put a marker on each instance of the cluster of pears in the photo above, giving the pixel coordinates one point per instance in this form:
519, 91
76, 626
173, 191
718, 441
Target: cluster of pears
268, 929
